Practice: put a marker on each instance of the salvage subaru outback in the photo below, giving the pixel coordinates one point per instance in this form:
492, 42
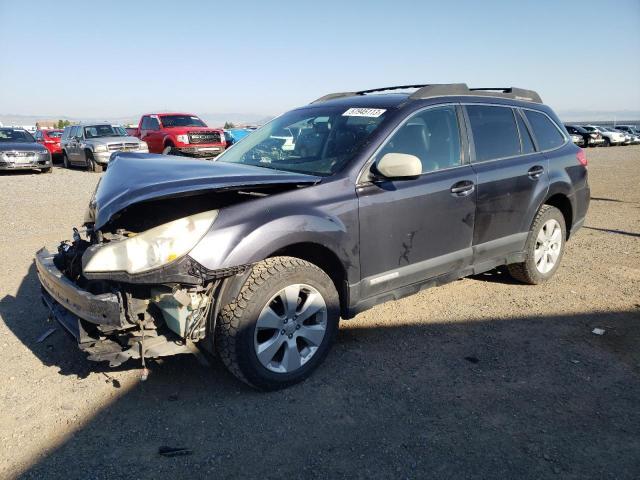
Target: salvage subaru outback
369, 197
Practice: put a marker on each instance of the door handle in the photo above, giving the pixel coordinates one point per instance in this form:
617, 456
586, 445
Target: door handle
535, 172
462, 188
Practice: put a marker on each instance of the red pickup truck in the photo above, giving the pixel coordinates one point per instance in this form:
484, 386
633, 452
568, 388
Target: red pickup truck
180, 134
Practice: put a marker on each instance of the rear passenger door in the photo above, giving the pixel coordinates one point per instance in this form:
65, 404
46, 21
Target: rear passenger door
512, 181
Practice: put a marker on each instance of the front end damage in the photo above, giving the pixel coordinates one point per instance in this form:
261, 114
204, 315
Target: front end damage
116, 321
125, 287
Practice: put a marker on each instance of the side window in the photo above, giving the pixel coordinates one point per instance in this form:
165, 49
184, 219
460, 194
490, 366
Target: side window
494, 130
154, 124
432, 135
145, 123
525, 135
38, 135
74, 132
545, 131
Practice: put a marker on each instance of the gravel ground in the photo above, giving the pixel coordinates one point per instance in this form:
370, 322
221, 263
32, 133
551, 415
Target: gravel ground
482, 378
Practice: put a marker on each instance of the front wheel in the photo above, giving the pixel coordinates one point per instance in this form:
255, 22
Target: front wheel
168, 150
92, 165
544, 247
282, 324
65, 160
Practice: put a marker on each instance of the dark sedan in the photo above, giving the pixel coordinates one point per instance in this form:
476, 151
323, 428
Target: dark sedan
20, 151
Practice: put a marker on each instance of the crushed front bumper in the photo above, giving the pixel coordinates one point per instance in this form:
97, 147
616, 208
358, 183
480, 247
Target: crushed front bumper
102, 309
99, 323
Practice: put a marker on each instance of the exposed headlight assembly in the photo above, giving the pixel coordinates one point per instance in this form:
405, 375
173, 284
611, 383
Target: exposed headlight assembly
183, 138
152, 248
100, 148
143, 146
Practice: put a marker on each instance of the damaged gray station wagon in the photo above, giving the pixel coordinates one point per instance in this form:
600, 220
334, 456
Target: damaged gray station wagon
328, 210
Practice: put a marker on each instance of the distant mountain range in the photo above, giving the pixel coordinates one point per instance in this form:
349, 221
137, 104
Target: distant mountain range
219, 119
212, 119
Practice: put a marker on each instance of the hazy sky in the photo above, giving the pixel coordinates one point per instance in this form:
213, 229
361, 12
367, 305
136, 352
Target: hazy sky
112, 58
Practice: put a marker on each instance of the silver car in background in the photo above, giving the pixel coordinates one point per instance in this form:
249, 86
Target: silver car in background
20, 151
91, 145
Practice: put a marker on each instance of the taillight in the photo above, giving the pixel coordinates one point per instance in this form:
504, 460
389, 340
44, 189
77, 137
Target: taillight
582, 158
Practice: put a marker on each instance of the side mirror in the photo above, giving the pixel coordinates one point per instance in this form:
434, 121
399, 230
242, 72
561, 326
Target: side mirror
399, 165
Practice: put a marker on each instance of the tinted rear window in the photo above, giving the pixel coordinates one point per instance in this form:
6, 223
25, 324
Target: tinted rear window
545, 131
495, 134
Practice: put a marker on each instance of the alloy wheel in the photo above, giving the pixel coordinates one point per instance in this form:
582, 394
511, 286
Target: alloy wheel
548, 246
290, 328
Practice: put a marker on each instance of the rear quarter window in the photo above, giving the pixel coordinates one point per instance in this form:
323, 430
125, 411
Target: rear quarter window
495, 134
546, 132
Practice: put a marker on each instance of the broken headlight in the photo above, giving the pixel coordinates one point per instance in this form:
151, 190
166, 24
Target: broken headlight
152, 248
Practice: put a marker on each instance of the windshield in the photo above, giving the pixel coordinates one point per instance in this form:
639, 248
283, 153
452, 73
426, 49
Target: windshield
54, 133
10, 135
317, 141
96, 131
181, 121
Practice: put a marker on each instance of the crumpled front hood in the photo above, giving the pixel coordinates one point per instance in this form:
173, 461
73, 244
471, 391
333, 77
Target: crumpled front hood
136, 177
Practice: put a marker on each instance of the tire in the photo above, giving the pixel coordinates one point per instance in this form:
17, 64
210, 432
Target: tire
92, 165
168, 150
65, 160
258, 319
535, 271
607, 142
46, 170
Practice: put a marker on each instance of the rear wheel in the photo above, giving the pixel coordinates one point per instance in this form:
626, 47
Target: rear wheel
282, 324
544, 247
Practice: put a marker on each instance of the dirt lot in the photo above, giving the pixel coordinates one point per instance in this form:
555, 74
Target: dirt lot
482, 378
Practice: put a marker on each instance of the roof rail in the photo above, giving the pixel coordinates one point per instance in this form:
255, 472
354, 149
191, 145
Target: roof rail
446, 89
511, 92
331, 96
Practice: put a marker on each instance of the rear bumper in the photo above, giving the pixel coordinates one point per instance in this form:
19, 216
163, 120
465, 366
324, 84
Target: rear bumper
54, 149
103, 309
581, 200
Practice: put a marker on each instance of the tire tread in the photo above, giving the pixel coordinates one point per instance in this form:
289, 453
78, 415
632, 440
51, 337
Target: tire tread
229, 319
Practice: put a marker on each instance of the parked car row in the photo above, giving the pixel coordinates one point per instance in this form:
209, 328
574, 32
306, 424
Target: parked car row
91, 145
596, 135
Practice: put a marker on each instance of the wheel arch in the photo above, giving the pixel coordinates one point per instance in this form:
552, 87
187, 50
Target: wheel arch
325, 259
562, 202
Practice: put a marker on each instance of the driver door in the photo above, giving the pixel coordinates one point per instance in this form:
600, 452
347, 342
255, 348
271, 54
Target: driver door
415, 229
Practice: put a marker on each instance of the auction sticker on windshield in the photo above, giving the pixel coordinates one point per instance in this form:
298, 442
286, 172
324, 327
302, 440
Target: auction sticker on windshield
364, 112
